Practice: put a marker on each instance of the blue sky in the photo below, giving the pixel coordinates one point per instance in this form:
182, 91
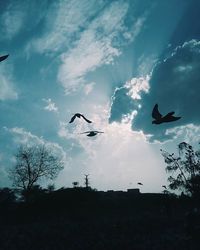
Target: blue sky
112, 61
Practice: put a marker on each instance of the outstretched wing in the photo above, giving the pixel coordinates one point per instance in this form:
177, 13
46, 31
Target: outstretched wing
171, 118
86, 132
168, 115
3, 57
155, 113
72, 119
86, 119
91, 134
174, 118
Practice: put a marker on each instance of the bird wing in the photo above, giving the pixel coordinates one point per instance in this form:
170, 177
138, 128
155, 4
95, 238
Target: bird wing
155, 113
86, 132
3, 57
86, 119
175, 118
91, 134
169, 115
72, 119
171, 118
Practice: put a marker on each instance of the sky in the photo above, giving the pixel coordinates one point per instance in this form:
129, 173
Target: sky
111, 60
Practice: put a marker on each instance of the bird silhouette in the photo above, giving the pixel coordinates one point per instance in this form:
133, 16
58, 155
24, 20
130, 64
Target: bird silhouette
164, 186
160, 118
79, 116
92, 133
139, 183
2, 58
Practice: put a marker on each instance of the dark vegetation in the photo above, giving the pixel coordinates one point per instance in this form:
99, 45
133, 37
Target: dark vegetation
83, 218
32, 217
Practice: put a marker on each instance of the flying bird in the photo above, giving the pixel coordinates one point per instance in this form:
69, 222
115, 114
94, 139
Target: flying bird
92, 133
164, 187
139, 183
79, 116
160, 118
2, 58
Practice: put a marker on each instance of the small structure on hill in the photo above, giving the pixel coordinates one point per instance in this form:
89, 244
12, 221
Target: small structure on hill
133, 191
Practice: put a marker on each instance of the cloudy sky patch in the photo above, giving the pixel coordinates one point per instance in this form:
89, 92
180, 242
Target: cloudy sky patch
111, 61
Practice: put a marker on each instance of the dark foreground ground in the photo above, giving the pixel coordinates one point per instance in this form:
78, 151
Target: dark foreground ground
76, 220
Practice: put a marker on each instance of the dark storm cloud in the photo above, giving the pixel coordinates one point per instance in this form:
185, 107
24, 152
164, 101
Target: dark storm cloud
174, 85
122, 104
126, 99
188, 26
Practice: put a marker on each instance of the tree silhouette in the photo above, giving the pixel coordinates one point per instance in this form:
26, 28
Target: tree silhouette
185, 169
32, 164
75, 184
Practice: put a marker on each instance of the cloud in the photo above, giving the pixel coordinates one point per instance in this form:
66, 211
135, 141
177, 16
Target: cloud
94, 48
7, 90
126, 98
65, 19
99, 44
21, 136
115, 158
188, 133
84, 59
174, 85
85, 35
51, 106
12, 20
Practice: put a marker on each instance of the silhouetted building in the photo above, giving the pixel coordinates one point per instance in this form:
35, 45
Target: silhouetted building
133, 191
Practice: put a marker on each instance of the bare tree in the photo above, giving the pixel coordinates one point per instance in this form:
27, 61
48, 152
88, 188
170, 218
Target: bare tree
184, 169
34, 163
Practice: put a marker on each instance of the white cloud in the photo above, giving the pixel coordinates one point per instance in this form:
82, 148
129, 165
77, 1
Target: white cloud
188, 133
117, 157
7, 90
89, 54
64, 20
126, 99
88, 34
51, 106
137, 85
98, 45
127, 119
21, 136
94, 47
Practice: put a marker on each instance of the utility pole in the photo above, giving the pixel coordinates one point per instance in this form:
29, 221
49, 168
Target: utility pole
86, 181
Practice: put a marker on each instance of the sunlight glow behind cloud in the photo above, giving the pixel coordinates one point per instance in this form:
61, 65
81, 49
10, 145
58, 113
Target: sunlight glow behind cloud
115, 59
119, 149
